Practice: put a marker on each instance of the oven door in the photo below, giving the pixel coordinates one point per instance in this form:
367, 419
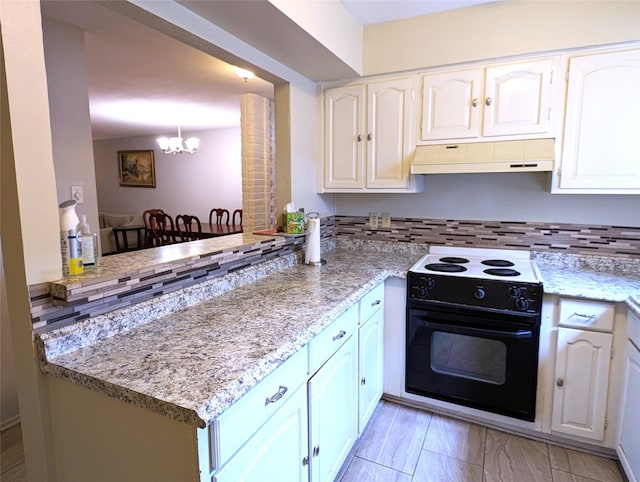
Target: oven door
474, 358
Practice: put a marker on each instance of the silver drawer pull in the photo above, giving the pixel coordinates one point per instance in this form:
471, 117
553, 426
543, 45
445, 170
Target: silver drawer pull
376, 303
276, 396
583, 315
339, 335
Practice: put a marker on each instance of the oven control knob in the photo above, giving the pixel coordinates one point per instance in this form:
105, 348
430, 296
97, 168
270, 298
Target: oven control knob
479, 293
514, 291
522, 304
422, 292
430, 283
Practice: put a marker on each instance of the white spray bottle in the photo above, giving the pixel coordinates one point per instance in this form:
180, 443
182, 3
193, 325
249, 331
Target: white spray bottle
69, 243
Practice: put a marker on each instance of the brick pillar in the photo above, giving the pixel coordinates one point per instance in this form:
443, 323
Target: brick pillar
258, 163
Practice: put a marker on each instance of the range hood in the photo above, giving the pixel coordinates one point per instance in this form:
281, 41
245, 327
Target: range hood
503, 156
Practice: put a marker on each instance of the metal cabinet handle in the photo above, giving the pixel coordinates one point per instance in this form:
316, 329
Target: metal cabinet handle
369, 136
359, 137
339, 335
559, 382
376, 303
584, 315
316, 450
474, 102
276, 396
487, 102
363, 381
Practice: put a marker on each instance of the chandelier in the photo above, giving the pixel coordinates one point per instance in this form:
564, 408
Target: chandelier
176, 145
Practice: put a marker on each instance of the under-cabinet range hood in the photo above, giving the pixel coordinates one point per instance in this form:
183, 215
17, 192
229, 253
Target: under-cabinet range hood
503, 156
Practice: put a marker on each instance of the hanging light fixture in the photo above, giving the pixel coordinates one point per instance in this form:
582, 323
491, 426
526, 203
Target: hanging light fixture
176, 145
243, 74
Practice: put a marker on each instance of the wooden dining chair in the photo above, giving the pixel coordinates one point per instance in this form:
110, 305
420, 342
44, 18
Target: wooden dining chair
146, 214
188, 228
219, 216
236, 218
162, 229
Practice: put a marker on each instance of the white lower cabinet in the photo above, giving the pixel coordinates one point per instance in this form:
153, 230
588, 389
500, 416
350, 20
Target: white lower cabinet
278, 451
628, 446
582, 380
370, 359
582, 368
333, 412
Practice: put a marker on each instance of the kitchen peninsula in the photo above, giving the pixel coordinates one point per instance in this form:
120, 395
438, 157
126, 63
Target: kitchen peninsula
168, 368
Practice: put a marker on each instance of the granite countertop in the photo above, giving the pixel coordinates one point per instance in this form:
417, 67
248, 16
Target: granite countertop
192, 364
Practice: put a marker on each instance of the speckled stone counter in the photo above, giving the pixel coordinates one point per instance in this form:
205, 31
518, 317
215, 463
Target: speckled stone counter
194, 363
193, 353
594, 277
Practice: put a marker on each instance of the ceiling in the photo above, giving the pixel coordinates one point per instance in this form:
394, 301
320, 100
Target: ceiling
143, 82
368, 12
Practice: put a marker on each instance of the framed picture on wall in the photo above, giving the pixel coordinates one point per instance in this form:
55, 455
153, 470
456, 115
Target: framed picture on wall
137, 168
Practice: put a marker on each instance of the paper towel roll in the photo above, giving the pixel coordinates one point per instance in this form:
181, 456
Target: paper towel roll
312, 253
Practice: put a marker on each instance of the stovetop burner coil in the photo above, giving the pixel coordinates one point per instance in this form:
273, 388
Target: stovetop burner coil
445, 267
502, 272
502, 263
453, 260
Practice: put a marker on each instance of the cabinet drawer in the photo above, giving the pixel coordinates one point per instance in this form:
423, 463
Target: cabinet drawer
371, 302
240, 421
327, 343
586, 314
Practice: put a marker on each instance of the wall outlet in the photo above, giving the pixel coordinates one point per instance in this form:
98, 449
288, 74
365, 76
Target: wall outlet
77, 194
373, 220
386, 220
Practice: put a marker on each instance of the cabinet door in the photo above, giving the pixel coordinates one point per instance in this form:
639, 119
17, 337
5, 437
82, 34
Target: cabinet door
370, 367
629, 438
451, 106
389, 136
277, 451
602, 122
333, 412
582, 381
517, 99
344, 130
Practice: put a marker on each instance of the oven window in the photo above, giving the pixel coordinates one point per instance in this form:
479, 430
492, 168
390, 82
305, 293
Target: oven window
470, 357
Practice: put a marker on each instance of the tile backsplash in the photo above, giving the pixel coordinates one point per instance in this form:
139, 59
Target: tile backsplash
550, 239
577, 239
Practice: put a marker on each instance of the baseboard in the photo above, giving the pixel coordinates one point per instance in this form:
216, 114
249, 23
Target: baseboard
10, 422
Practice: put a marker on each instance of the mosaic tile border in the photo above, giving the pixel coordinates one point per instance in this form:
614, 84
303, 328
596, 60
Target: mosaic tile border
620, 241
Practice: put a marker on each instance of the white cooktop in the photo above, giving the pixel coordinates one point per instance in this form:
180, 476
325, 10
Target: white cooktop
474, 267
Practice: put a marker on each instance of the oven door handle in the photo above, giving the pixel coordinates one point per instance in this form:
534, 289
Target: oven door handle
517, 335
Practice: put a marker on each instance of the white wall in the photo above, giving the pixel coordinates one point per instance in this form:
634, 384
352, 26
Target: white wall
69, 112
497, 29
185, 183
494, 197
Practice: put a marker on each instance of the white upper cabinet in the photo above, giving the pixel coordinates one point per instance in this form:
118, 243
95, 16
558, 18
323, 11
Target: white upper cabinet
450, 105
369, 137
602, 124
511, 99
344, 146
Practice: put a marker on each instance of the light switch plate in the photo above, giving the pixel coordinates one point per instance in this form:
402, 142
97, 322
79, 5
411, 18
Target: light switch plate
386, 220
373, 220
77, 194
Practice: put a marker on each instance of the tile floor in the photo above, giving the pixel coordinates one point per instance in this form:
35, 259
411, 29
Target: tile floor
12, 467
403, 444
